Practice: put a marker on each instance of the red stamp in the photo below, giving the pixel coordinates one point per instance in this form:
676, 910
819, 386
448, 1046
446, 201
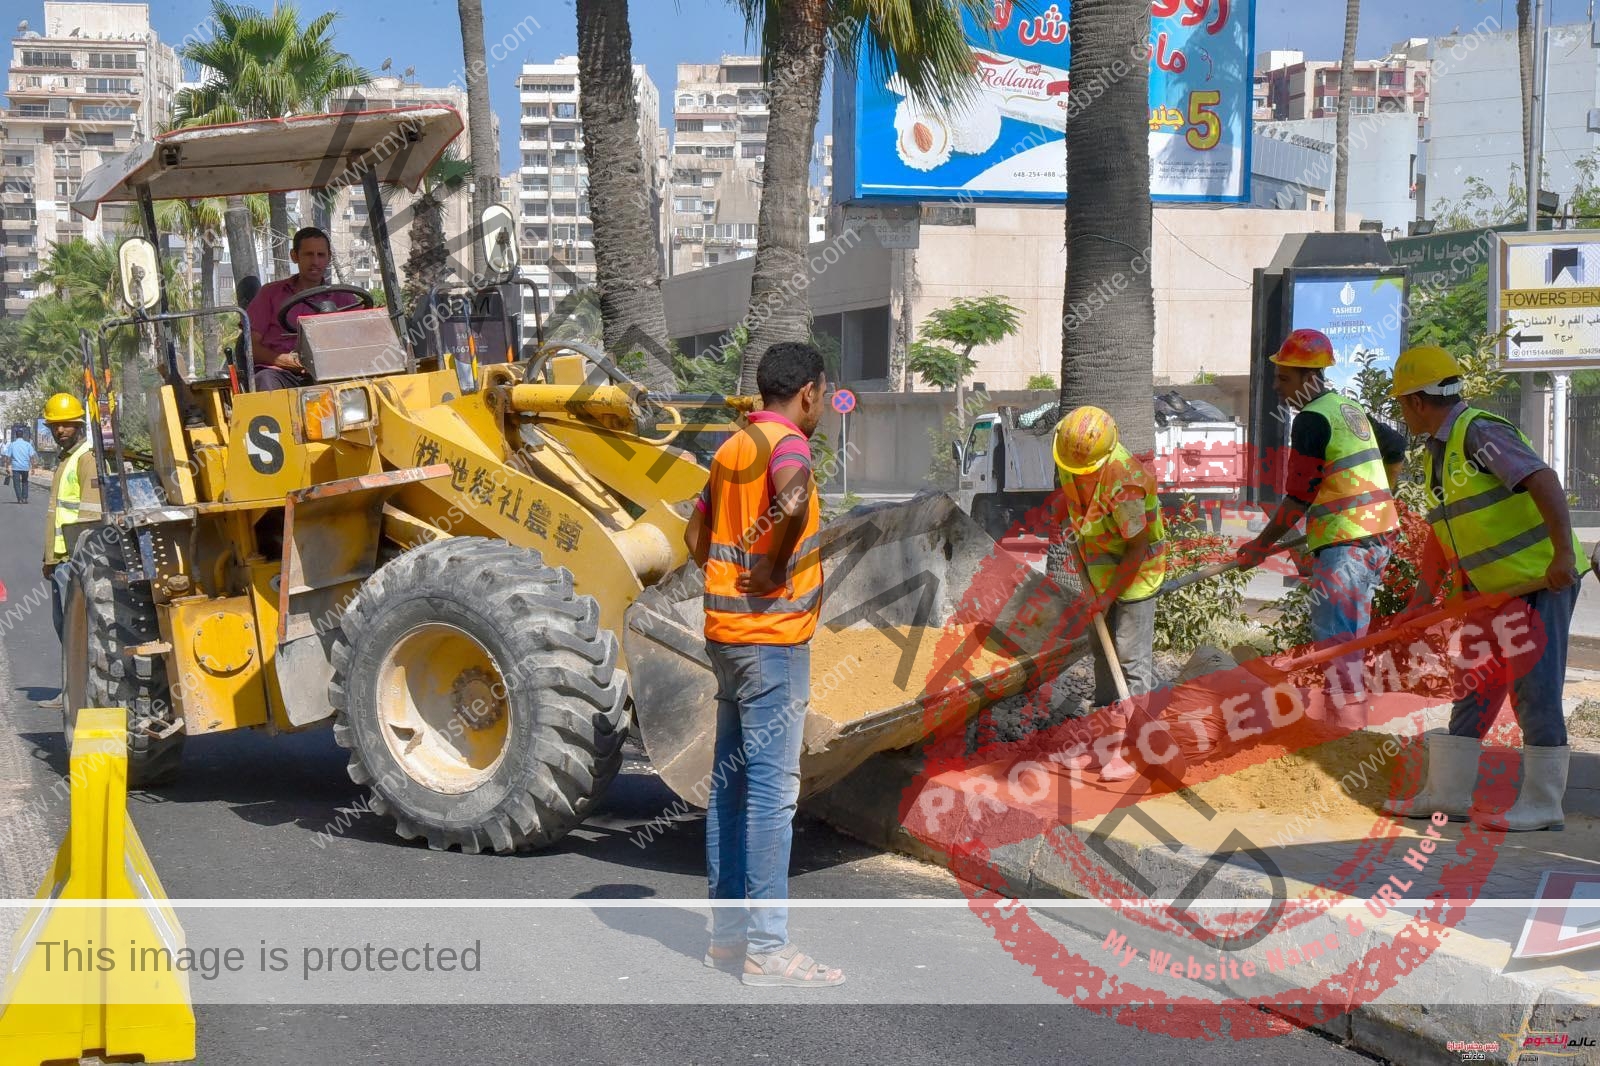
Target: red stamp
1279, 959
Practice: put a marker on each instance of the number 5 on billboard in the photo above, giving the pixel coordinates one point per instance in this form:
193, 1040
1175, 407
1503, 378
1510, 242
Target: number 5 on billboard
1206, 125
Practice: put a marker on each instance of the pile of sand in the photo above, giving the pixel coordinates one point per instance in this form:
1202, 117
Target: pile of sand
869, 668
1348, 776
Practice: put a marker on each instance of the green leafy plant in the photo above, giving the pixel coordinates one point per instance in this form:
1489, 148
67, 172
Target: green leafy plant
942, 472
1202, 612
1042, 383
942, 358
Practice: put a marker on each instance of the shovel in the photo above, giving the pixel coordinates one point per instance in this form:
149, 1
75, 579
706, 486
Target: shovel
1218, 569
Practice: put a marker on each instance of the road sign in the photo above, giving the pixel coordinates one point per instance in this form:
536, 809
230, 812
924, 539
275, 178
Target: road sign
844, 401
1567, 918
1544, 299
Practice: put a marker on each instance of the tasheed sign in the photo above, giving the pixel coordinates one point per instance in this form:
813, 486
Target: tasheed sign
1544, 294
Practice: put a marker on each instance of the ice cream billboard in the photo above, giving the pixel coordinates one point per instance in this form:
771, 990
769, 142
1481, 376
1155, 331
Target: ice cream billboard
1007, 142
1363, 315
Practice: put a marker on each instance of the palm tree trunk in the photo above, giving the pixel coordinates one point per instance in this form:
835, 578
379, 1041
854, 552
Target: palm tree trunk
628, 270
1341, 125
1106, 353
278, 219
779, 305
480, 124
428, 263
1525, 64
241, 240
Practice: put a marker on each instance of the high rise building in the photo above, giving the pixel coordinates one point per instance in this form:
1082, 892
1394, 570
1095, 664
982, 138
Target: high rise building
81, 91
1289, 87
556, 232
720, 119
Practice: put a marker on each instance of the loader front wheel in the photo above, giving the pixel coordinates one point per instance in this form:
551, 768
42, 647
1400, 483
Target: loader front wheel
478, 697
106, 620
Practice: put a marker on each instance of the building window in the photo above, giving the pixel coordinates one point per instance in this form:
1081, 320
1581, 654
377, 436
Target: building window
719, 151
107, 85
563, 133
690, 125
747, 231
113, 61
753, 150
753, 124
686, 203
566, 110
535, 110
46, 59
62, 189
94, 139
686, 99
1361, 105
564, 158
535, 159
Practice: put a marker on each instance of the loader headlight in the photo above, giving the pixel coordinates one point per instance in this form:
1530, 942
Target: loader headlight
467, 375
355, 408
320, 411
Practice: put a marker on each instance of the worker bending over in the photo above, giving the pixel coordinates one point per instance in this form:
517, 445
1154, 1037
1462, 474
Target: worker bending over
1114, 515
1342, 468
1500, 518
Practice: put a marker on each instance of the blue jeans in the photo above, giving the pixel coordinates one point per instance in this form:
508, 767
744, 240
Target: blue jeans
1343, 578
1536, 695
755, 784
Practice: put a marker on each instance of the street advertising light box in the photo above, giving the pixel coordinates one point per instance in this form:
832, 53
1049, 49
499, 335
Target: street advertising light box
1007, 143
1363, 314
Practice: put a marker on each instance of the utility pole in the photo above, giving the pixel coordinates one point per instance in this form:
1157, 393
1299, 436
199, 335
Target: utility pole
1534, 172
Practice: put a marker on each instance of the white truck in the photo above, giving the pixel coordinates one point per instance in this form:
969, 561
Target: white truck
1005, 469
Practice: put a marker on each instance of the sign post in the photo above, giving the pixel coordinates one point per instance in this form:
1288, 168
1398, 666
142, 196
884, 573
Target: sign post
844, 401
1544, 305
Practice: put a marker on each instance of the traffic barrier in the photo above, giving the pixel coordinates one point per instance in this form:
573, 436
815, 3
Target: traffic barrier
98, 980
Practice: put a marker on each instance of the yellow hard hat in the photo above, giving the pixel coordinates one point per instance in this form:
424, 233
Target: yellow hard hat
1084, 440
1306, 349
63, 407
1422, 366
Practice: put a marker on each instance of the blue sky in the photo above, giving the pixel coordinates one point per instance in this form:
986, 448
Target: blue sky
425, 34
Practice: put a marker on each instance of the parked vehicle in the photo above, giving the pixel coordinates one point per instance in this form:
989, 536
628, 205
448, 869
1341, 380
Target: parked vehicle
1006, 470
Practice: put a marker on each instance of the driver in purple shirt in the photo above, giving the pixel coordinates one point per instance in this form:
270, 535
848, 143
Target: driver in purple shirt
277, 364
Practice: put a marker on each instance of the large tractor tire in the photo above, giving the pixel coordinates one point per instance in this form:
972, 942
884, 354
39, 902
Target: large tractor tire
478, 697
105, 617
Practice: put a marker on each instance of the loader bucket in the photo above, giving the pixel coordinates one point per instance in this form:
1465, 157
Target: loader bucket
895, 576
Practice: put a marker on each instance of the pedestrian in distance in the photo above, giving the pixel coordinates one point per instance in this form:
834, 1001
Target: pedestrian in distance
1500, 522
755, 531
20, 455
1342, 469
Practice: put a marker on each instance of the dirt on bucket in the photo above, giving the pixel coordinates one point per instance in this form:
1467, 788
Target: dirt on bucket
870, 664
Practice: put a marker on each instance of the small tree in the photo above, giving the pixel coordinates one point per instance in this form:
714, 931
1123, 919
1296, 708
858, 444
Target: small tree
1042, 383
943, 357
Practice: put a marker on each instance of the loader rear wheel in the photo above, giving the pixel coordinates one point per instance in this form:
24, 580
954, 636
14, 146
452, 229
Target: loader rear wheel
105, 617
478, 697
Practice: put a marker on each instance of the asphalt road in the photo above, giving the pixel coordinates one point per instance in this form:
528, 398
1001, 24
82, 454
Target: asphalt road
244, 823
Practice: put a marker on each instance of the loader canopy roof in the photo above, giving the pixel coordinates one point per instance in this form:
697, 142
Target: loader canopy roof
276, 155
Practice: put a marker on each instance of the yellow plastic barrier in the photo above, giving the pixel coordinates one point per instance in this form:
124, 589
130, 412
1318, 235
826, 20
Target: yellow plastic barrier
82, 979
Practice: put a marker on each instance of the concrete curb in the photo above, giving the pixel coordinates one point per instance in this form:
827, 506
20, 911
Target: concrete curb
866, 805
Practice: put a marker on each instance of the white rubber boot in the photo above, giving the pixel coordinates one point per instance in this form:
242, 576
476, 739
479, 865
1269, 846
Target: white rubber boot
1538, 806
1452, 775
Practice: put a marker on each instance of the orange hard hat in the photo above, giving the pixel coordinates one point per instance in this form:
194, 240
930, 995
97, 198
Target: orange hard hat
1307, 349
1084, 440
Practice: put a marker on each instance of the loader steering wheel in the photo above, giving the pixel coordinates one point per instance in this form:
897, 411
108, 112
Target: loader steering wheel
367, 302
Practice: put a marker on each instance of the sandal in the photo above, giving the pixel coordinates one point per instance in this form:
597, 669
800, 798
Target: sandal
718, 955
788, 967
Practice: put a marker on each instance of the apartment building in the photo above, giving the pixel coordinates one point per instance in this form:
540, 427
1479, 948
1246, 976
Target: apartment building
720, 119
1288, 87
81, 90
556, 232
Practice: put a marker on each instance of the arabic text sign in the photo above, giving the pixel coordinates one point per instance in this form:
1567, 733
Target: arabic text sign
1544, 300
1008, 143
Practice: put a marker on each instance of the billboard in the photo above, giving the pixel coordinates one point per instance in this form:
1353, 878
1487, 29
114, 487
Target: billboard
1007, 144
1363, 314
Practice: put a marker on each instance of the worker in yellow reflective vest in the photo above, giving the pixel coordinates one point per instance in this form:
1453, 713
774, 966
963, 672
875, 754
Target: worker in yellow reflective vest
1501, 522
63, 415
1340, 475
1113, 513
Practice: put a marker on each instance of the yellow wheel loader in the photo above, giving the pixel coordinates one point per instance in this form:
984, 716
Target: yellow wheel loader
462, 551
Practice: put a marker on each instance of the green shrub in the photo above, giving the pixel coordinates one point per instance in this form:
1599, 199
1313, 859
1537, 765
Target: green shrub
1206, 610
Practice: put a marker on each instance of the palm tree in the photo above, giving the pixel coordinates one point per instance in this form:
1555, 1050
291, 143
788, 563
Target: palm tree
428, 263
1341, 125
628, 268
924, 41
480, 124
265, 65
1106, 353
1525, 67
198, 222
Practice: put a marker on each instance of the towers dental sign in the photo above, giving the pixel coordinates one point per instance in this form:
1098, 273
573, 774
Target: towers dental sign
1006, 143
1544, 300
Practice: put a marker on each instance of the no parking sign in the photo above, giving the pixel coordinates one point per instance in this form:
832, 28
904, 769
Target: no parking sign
844, 401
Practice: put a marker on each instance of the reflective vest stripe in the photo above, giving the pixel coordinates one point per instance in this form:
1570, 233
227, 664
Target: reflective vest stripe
1495, 534
1350, 462
68, 497
1101, 543
745, 558
763, 604
1353, 501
